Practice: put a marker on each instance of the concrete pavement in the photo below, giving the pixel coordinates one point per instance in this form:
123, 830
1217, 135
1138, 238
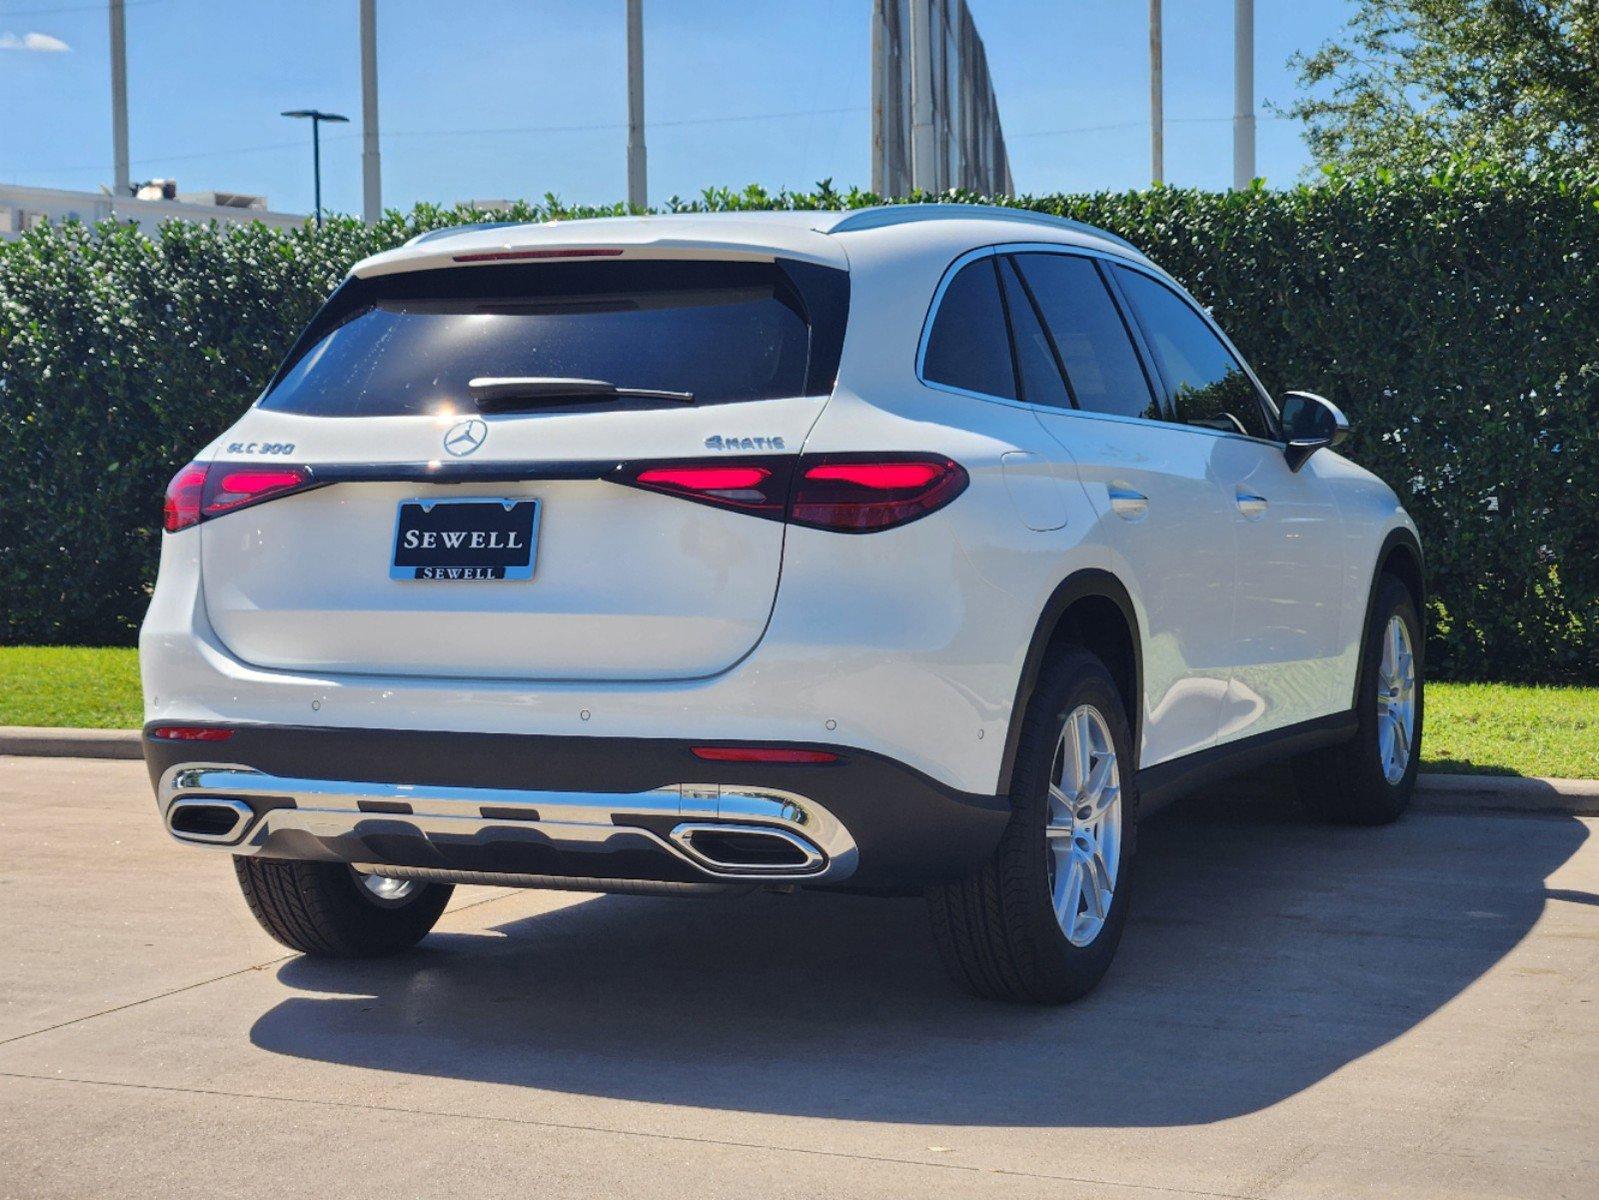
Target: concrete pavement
1296, 1011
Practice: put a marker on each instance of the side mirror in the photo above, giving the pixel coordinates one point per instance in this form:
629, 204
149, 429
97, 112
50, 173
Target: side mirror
1309, 423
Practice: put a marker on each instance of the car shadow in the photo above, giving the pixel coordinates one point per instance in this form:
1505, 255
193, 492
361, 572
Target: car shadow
1263, 952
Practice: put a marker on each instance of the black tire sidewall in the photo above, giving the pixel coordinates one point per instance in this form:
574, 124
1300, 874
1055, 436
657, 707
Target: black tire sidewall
1078, 679
1393, 599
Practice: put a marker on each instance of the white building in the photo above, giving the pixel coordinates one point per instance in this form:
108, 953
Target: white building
22, 208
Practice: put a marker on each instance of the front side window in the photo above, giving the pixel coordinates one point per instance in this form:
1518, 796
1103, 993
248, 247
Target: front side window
1094, 346
968, 346
1209, 386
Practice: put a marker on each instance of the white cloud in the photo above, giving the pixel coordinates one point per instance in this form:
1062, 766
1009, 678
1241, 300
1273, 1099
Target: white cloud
37, 43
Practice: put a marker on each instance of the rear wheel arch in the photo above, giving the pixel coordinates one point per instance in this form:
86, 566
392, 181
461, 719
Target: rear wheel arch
1091, 609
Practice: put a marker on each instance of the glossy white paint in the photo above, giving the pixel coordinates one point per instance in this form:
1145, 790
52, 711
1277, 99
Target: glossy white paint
627, 584
1289, 596
1169, 531
655, 617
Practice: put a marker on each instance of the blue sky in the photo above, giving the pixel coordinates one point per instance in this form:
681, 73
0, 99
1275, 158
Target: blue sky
479, 97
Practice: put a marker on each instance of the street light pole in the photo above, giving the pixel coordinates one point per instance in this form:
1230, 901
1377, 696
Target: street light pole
1157, 98
371, 154
638, 195
122, 185
316, 117
1243, 93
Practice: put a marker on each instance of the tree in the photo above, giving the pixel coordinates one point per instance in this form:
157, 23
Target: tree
1418, 82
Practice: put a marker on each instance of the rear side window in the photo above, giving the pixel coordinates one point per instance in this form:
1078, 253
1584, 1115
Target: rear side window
1089, 334
725, 331
1208, 385
1035, 358
968, 346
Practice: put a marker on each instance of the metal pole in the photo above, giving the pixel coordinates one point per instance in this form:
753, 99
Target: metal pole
119, 100
924, 168
637, 185
1243, 93
371, 154
316, 165
1157, 99
879, 130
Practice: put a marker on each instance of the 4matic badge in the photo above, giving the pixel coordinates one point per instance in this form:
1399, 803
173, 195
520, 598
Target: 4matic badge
716, 442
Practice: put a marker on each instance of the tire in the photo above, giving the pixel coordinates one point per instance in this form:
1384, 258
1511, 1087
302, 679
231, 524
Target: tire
1355, 783
324, 909
997, 931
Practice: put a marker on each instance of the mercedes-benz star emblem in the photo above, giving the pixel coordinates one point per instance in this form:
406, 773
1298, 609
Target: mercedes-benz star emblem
466, 437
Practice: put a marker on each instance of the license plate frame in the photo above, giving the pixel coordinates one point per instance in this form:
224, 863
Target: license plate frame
469, 558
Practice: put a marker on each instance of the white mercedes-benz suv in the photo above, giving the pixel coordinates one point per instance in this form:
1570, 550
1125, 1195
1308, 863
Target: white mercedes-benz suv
919, 549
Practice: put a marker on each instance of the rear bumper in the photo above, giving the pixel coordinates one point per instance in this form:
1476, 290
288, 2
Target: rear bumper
525, 808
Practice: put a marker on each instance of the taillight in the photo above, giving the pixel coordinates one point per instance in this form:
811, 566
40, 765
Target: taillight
182, 507
201, 491
756, 487
864, 493
228, 488
843, 493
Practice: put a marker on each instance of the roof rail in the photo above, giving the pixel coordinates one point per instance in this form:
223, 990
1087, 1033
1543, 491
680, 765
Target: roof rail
451, 230
903, 214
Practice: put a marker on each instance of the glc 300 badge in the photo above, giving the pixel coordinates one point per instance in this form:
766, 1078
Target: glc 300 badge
466, 437
715, 442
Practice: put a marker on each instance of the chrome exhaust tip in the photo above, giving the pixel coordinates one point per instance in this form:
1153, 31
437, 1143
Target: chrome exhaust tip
197, 819
748, 849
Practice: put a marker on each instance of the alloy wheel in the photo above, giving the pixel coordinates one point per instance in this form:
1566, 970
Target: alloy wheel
1083, 835
1396, 700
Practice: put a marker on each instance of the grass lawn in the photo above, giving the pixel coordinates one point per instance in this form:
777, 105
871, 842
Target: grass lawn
1490, 728
81, 686
1503, 729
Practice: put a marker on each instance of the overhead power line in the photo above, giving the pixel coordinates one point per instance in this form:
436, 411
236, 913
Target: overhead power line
191, 156
604, 125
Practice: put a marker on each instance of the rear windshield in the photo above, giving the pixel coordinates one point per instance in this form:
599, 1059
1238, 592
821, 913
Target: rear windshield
725, 331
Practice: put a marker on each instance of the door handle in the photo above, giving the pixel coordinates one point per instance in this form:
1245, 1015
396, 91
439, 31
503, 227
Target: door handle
1251, 505
1128, 504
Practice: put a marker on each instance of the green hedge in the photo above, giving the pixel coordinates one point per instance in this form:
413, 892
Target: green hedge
1454, 317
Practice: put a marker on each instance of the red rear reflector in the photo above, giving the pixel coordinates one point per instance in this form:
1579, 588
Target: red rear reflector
190, 733
182, 507
864, 493
765, 754
512, 255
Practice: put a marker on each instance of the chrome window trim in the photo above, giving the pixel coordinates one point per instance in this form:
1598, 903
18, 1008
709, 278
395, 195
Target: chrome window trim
1157, 275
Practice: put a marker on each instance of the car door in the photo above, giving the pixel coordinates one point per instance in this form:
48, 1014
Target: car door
1289, 580
1160, 504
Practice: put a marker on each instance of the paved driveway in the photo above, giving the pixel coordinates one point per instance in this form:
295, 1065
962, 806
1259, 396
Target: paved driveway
1296, 1011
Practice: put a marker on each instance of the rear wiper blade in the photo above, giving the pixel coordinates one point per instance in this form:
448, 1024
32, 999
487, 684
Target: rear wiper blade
495, 393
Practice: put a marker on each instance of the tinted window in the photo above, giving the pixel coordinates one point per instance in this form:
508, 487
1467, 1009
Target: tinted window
1035, 359
1208, 385
968, 346
1093, 342
410, 343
